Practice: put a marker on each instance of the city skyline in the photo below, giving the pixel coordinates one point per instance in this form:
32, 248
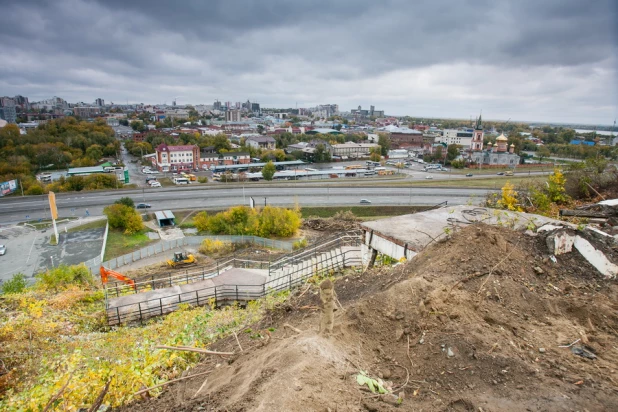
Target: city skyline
520, 60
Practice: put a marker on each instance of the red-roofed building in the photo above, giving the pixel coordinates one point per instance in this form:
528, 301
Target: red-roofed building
176, 158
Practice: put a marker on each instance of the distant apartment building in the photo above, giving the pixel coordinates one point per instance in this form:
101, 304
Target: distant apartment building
232, 116
255, 108
7, 110
99, 102
209, 158
86, 112
261, 142
325, 110
360, 112
176, 158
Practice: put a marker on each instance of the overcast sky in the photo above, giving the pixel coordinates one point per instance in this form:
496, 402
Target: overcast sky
549, 60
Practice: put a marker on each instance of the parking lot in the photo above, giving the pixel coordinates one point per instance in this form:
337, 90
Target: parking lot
29, 251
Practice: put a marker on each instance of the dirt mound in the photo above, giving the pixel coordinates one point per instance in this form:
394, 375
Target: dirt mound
341, 221
482, 321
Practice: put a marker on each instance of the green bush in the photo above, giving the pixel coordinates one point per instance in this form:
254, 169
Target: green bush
242, 220
34, 190
124, 217
299, 244
63, 276
16, 284
127, 201
202, 179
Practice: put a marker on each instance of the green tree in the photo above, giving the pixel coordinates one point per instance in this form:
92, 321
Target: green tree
268, 172
201, 221
260, 129
542, 153
127, 201
385, 143
452, 152
9, 135
120, 216
94, 152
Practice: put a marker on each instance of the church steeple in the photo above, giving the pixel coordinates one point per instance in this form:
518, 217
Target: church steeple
479, 123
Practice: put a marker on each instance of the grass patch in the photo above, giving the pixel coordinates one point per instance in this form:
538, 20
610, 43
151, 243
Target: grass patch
52, 240
166, 182
489, 183
92, 225
119, 244
361, 211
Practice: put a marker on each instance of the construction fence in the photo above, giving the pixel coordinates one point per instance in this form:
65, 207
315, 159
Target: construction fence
167, 245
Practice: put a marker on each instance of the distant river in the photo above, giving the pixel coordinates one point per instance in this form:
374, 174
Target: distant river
603, 132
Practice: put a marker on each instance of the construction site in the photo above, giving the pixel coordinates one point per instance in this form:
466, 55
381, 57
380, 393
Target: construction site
488, 311
455, 308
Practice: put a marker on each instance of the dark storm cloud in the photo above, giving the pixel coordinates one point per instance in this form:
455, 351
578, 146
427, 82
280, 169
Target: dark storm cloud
281, 51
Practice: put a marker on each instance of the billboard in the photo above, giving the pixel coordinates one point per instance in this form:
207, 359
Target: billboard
52, 205
6, 188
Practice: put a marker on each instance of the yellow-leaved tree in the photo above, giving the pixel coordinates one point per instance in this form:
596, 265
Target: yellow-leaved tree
509, 198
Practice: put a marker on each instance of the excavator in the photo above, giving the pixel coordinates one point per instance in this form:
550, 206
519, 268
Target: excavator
181, 259
105, 273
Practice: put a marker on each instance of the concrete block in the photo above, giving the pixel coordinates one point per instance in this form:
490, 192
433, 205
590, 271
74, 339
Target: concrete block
560, 242
596, 258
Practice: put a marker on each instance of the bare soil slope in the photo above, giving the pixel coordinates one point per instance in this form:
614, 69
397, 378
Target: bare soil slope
473, 323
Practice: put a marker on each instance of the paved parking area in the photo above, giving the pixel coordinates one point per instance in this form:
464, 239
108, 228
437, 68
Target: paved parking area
29, 251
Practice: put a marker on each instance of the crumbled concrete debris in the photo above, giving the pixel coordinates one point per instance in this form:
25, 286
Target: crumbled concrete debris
560, 242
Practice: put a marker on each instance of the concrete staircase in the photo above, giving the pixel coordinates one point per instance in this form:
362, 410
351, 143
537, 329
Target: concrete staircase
235, 281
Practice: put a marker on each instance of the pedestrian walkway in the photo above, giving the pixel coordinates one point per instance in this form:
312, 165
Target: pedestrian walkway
234, 280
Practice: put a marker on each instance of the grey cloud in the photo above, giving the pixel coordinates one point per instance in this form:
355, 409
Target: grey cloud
279, 50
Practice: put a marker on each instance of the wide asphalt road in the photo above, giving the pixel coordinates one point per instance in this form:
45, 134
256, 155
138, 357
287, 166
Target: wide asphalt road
16, 209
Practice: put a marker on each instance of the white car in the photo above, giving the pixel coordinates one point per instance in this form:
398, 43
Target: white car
428, 177
155, 184
2, 250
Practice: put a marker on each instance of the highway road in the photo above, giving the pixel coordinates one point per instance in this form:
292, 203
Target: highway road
16, 209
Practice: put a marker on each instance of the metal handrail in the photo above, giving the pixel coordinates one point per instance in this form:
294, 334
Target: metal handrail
222, 293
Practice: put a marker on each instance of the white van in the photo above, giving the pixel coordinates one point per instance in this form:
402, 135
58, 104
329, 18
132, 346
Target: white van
181, 181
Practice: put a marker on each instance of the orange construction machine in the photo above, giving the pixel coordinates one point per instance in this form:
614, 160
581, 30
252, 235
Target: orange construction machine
108, 272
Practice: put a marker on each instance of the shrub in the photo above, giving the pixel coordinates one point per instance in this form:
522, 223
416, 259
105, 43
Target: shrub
34, 190
63, 276
127, 201
124, 217
555, 187
202, 179
16, 284
218, 247
269, 171
299, 244
201, 221
509, 198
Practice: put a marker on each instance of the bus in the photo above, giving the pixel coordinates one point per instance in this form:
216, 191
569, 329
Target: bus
191, 177
181, 181
433, 166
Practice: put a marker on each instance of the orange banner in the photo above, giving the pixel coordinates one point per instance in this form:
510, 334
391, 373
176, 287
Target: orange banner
52, 205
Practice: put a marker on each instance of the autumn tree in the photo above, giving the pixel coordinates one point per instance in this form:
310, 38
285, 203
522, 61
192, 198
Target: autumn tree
268, 172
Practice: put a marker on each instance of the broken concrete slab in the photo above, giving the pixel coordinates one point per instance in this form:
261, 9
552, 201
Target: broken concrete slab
559, 242
596, 258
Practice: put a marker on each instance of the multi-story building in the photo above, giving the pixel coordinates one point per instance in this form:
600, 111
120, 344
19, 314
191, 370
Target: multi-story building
176, 158
8, 113
7, 110
255, 108
86, 112
367, 113
353, 149
261, 142
232, 116
22, 102
99, 102
405, 138
461, 137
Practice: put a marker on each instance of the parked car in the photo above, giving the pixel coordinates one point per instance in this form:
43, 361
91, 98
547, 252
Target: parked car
365, 201
428, 177
468, 174
155, 184
500, 173
142, 206
2, 250
149, 178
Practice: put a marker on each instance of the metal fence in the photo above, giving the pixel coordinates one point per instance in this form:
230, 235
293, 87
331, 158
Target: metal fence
168, 245
327, 256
